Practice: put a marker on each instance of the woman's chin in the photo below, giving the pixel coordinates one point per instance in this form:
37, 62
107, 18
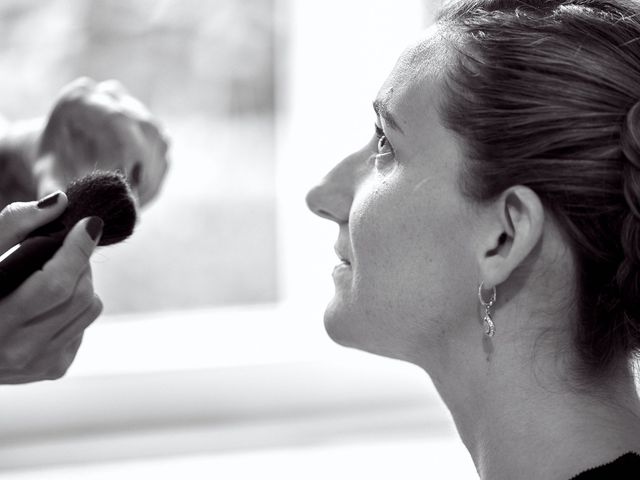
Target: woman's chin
337, 324
348, 330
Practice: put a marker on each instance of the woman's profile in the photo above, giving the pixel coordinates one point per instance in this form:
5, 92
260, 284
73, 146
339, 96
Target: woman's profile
489, 231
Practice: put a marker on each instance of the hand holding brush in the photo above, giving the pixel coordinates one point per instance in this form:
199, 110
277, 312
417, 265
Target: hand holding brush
45, 281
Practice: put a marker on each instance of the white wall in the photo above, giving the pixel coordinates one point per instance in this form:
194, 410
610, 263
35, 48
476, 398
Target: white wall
340, 54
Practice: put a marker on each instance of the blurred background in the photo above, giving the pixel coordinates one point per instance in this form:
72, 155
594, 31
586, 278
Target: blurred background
211, 357
206, 68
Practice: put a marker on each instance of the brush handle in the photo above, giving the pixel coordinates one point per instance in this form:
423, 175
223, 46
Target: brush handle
27, 259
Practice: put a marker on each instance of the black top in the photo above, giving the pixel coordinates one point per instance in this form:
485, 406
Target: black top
625, 467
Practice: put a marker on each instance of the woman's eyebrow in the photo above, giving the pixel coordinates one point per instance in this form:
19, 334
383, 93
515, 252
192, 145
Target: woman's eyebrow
380, 106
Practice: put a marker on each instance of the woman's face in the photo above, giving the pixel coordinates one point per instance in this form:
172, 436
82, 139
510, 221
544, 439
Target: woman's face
408, 277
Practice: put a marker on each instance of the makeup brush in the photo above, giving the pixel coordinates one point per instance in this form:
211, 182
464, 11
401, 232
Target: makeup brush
101, 194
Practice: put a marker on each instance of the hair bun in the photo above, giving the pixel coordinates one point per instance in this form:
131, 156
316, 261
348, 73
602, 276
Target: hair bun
580, 152
627, 277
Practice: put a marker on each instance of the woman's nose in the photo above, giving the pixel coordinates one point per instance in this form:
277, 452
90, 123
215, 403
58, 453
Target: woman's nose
333, 196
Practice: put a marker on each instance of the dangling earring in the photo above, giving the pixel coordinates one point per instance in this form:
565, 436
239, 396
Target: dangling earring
487, 321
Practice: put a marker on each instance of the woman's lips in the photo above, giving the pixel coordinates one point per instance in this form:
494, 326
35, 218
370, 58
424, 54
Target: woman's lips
343, 268
341, 253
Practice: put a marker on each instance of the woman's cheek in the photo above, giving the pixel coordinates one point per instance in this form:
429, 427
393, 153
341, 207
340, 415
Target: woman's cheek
378, 246
366, 225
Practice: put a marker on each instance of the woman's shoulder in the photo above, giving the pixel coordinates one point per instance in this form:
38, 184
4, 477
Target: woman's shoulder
626, 466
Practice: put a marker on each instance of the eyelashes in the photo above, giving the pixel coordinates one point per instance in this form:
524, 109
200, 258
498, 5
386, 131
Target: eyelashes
384, 151
383, 141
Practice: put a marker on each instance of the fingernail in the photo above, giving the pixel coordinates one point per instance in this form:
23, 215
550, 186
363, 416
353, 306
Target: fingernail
94, 227
49, 200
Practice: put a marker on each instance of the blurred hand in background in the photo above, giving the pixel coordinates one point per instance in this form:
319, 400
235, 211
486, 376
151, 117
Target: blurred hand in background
99, 126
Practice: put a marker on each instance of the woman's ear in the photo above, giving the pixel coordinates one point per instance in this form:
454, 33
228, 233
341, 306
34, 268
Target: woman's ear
514, 228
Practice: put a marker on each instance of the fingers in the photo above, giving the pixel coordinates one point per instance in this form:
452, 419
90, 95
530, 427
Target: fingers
79, 244
154, 170
113, 88
44, 347
78, 325
56, 321
78, 87
56, 283
59, 354
19, 219
113, 94
52, 361
123, 102
46, 359
49, 332
49, 366
58, 369
102, 126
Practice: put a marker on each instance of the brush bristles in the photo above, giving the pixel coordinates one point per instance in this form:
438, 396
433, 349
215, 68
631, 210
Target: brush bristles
106, 195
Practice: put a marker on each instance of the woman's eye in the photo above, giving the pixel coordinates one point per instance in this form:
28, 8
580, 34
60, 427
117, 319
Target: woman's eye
384, 157
383, 144
383, 141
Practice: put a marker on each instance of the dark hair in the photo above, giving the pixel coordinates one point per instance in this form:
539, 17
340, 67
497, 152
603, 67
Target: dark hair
544, 94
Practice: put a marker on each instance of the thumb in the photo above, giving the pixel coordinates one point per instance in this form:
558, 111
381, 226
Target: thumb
72, 258
18, 219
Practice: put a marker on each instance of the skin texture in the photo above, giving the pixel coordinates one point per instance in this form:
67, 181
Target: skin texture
417, 249
400, 217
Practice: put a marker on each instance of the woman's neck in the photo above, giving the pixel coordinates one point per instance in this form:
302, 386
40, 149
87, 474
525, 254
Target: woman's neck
520, 419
